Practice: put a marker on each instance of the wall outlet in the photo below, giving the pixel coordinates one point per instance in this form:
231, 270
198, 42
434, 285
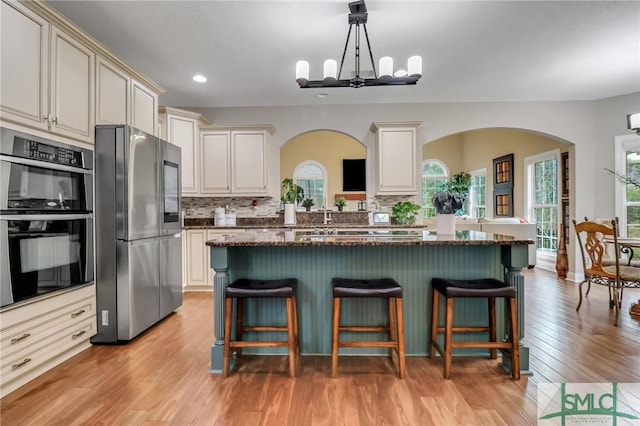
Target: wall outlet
105, 318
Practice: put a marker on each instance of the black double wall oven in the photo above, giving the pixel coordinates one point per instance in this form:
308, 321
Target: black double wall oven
46, 216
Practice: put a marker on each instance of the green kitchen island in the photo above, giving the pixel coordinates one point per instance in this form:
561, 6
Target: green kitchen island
411, 257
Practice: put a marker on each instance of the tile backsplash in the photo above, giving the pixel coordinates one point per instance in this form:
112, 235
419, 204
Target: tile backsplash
242, 206
201, 207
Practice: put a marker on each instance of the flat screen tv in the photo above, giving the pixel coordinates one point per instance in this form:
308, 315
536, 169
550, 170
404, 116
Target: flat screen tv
354, 176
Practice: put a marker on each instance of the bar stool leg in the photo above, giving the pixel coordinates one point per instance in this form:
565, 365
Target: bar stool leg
227, 336
239, 327
334, 336
492, 325
295, 326
400, 322
515, 339
448, 337
393, 334
435, 302
291, 337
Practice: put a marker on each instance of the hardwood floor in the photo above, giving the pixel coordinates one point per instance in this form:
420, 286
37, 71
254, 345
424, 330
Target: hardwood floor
162, 378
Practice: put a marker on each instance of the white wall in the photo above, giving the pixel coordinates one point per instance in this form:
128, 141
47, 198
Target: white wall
590, 125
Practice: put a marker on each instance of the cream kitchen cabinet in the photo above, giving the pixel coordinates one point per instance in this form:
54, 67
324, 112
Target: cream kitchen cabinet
198, 275
196, 261
395, 158
113, 93
236, 159
47, 75
37, 336
215, 147
144, 107
121, 99
182, 128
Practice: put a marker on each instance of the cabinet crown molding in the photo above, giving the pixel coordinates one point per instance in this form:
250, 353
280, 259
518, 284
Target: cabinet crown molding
201, 119
61, 21
375, 126
229, 127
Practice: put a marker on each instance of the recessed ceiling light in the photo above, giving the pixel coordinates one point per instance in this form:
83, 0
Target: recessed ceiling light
199, 78
322, 95
400, 73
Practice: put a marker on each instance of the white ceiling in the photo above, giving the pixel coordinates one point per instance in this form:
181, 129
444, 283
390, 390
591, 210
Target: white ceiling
472, 50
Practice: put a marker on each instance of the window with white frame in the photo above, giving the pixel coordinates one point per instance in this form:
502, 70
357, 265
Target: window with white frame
312, 177
478, 193
434, 174
543, 198
627, 164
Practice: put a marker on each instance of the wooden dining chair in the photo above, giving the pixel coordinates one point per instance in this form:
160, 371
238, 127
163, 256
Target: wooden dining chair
595, 240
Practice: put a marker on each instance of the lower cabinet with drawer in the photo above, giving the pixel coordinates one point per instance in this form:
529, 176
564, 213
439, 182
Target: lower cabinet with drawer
37, 336
197, 272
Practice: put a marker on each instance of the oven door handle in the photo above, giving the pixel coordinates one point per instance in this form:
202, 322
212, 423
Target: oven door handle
44, 164
47, 216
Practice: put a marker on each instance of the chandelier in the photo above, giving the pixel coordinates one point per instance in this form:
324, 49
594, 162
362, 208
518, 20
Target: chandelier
358, 17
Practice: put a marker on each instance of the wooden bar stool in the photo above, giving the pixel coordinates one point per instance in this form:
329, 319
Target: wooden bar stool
260, 289
489, 288
379, 288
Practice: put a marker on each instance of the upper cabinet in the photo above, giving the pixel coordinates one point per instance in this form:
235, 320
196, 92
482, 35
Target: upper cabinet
113, 93
181, 128
48, 77
57, 79
121, 99
144, 107
235, 160
395, 157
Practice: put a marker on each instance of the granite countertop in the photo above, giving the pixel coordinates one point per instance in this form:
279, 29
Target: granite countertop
305, 220
302, 227
378, 237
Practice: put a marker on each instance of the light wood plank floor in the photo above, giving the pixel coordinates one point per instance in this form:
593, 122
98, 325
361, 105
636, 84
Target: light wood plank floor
162, 377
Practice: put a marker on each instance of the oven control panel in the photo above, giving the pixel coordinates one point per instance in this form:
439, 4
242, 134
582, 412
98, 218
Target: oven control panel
44, 152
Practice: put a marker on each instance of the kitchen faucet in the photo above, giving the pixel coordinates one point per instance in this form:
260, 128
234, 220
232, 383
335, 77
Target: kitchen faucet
326, 217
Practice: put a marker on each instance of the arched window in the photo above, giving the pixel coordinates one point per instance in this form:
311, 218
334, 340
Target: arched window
434, 174
312, 177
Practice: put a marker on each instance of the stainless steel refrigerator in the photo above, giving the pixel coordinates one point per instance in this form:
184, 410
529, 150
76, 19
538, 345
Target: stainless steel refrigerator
138, 231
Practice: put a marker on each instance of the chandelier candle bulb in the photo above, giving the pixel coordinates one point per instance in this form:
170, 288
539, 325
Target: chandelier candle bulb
414, 66
386, 66
330, 69
302, 71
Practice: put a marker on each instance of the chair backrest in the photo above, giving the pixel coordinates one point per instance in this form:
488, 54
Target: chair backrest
594, 238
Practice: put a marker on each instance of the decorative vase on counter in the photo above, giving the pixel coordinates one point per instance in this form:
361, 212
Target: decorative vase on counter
289, 214
445, 224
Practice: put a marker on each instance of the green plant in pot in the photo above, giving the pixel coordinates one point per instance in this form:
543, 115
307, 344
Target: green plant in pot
405, 212
340, 203
453, 194
293, 193
307, 203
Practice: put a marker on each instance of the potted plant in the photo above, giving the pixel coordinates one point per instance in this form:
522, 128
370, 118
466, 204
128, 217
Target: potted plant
292, 195
449, 200
405, 212
307, 203
340, 203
